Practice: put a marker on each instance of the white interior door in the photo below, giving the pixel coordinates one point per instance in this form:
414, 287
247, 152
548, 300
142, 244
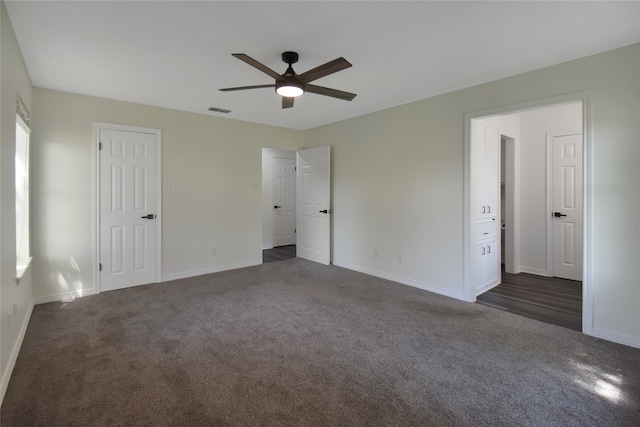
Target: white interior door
284, 201
128, 208
566, 205
314, 220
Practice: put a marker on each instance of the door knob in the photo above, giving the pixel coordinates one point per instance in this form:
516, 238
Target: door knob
277, 207
150, 216
325, 211
558, 214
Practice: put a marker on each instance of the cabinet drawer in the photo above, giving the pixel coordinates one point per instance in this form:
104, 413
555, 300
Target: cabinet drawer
485, 229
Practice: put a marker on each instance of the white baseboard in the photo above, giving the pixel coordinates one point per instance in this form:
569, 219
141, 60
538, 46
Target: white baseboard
68, 296
14, 353
616, 337
531, 270
217, 269
64, 296
402, 280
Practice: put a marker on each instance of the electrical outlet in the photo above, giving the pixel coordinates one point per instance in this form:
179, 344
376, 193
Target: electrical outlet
214, 251
400, 258
376, 253
15, 308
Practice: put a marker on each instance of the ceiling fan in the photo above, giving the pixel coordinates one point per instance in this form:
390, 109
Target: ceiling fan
290, 84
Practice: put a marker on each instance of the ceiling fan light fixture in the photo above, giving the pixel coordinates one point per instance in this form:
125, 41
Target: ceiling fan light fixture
291, 85
289, 88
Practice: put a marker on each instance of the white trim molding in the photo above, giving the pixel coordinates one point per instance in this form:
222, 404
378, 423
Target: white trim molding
532, 270
217, 269
399, 279
615, 337
13, 357
63, 296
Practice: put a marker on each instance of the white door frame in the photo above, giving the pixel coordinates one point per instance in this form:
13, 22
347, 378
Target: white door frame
97, 127
585, 98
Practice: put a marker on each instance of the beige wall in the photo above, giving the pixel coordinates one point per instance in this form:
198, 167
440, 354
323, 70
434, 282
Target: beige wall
214, 200
398, 183
14, 80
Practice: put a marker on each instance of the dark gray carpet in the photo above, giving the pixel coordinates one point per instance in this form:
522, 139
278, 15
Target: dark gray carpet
294, 343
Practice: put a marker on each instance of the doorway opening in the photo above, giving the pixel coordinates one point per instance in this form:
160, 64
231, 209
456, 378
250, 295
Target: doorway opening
296, 201
531, 281
278, 204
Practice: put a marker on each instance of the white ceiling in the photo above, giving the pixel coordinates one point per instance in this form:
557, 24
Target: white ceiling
177, 54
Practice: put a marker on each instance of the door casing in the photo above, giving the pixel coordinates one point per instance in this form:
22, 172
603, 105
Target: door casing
97, 126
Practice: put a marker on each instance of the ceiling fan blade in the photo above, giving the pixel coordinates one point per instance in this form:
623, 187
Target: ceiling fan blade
334, 93
249, 60
287, 102
324, 70
229, 89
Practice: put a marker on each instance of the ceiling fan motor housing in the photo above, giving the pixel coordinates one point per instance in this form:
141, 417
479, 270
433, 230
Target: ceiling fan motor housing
290, 57
289, 85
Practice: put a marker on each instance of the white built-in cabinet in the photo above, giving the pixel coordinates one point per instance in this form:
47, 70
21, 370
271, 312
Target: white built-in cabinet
485, 190
486, 266
485, 157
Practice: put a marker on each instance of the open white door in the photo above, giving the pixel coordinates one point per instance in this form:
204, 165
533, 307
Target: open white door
313, 240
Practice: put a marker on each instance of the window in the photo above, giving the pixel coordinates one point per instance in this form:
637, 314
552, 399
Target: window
22, 195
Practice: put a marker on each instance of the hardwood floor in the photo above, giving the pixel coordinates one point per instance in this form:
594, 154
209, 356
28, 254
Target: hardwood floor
279, 253
548, 299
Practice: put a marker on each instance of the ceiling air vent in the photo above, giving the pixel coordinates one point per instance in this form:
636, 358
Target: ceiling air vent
219, 110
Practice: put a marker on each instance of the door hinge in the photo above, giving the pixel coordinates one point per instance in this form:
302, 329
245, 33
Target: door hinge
295, 168
295, 230
100, 267
99, 145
